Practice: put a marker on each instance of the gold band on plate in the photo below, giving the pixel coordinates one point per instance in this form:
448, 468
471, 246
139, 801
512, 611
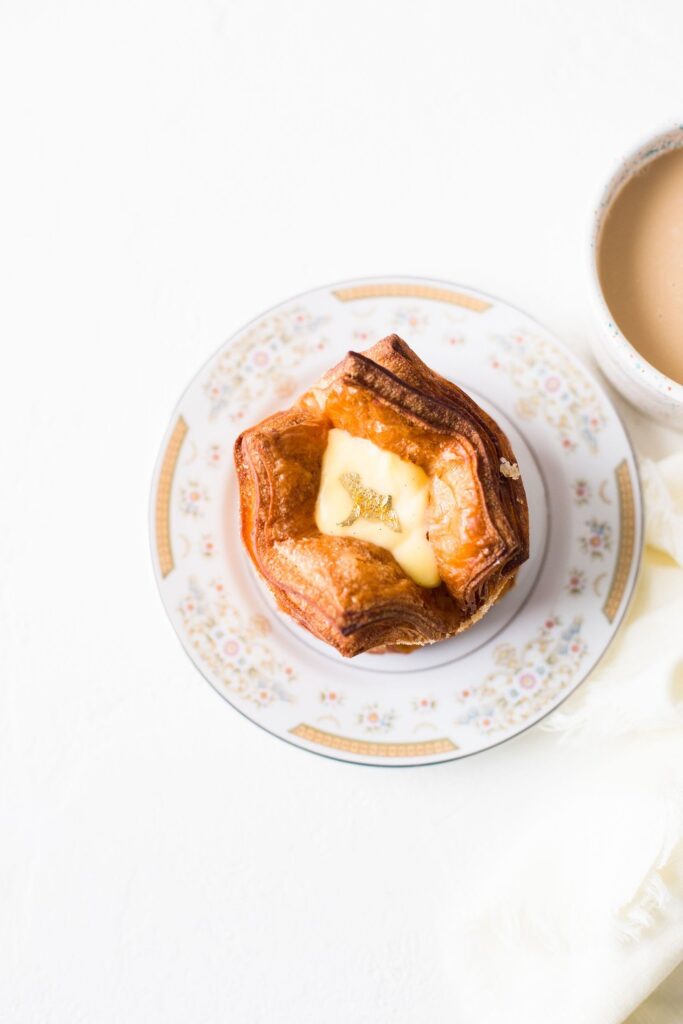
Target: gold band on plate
412, 291
369, 749
627, 535
163, 502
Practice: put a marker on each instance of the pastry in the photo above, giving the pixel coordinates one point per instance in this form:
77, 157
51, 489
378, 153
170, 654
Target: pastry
384, 508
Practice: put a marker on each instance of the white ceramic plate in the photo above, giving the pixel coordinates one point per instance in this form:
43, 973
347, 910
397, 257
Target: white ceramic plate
453, 698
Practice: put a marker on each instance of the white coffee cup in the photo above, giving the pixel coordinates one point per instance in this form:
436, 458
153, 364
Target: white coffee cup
639, 381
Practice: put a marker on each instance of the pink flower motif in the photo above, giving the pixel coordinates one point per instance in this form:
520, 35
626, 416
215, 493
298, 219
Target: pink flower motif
582, 492
261, 358
424, 704
192, 498
263, 697
552, 383
598, 539
376, 720
412, 318
528, 680
231, 648
213, 455
576, 581
331, 697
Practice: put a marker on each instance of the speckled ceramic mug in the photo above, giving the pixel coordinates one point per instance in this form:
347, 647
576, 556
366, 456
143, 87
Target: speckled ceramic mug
639, 381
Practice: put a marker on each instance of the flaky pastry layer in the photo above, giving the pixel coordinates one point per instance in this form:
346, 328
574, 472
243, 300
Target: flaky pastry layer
353, 594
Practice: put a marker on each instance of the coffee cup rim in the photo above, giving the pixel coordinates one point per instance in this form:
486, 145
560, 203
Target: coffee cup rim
630, 360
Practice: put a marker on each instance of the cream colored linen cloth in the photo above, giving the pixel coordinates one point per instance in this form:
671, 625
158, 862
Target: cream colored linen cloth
583, 916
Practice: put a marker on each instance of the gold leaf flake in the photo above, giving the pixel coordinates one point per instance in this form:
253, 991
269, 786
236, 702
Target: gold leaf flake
368, 503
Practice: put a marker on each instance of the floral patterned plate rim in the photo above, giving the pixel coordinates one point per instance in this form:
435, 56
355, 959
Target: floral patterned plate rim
534, 647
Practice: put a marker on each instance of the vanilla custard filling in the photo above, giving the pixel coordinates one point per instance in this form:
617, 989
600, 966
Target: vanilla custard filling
372, 494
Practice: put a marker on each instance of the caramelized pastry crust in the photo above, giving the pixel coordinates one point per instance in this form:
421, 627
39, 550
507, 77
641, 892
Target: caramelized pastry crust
351, 593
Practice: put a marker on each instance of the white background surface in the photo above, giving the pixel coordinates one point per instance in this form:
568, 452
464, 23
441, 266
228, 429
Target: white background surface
168, 171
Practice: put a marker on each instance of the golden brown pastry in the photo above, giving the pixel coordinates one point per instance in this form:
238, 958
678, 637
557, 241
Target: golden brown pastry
384, 508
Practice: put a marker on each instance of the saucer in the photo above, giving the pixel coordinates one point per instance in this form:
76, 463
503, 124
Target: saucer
446, 700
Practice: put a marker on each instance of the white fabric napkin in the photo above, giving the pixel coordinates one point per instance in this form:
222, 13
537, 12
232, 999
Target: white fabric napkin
583, 916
